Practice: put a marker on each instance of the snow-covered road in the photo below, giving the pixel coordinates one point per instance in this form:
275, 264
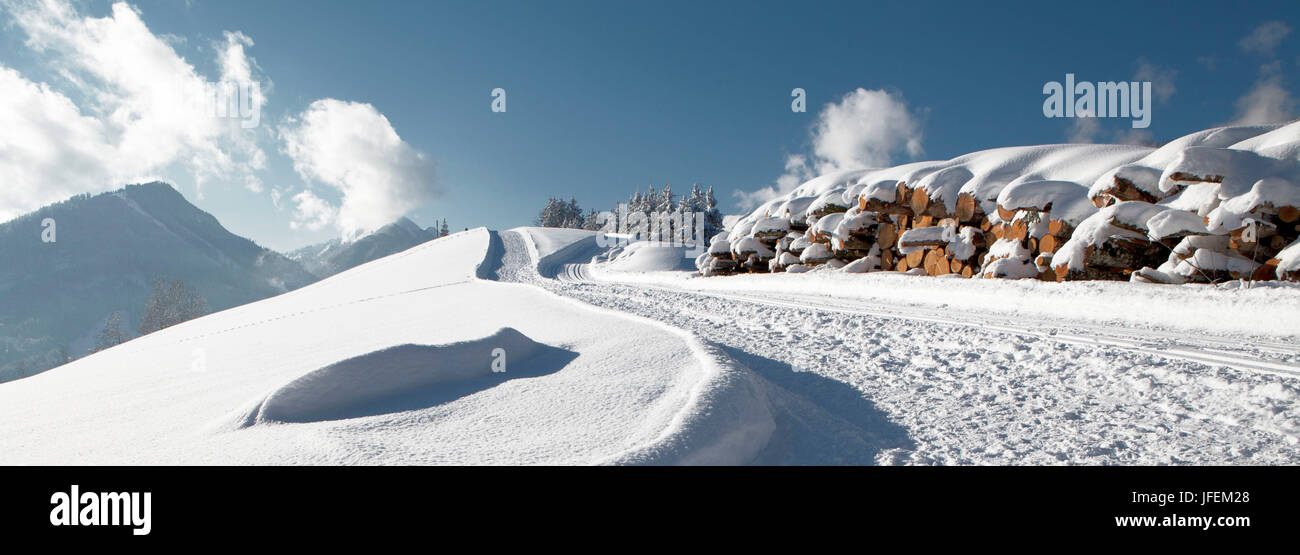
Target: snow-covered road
953, 387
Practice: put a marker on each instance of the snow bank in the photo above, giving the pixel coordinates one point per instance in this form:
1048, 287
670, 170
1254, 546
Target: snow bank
645, 256
1266, 309
374, 383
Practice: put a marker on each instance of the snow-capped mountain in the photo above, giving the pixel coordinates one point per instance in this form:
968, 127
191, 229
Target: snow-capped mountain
105, 252
334, 256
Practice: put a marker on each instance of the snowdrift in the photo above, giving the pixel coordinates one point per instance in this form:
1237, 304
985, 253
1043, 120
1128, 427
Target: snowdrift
1216, 205
649, 257
389, 379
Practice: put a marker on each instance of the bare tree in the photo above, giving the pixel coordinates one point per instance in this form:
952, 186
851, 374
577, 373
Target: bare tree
170, 304
112, 334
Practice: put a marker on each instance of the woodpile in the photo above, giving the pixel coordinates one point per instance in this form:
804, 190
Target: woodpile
1046, 230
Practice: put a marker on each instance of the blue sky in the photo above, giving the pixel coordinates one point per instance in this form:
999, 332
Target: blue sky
607, 97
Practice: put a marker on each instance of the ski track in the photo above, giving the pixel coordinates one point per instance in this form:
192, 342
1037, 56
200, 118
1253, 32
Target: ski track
989, 390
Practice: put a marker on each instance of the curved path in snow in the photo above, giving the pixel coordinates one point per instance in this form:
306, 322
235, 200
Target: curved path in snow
978, 388
817, 420
1259, 355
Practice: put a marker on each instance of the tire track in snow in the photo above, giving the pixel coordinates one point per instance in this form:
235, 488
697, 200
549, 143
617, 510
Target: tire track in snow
1188, 346
1016, 394
809, 430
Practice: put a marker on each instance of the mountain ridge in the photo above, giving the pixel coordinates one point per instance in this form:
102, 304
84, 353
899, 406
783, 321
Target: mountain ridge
107, 250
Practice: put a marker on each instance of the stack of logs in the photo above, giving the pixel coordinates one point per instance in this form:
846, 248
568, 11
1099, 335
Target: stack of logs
914, 234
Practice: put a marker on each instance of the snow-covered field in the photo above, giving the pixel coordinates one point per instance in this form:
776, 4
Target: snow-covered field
280, 381
631, 360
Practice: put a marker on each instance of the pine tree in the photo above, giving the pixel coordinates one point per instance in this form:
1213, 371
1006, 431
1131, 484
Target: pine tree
695, 201
712, 217
667, 201
592, 221
444, 230
573, 214
650, 201
551, 215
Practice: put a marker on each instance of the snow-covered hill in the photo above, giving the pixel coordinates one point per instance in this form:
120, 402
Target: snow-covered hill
334, 256
107, 250
392, 362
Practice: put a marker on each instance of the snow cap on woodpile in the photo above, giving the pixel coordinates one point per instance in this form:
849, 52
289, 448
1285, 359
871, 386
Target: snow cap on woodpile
884, 190
921, 238
1174, 223
828, 203
720, 246
1207, 260
869, 263
799, 244
1010, 268
1127, 182
825, 226
749, 245
854, 221
1065, 200
1281, 142
822, 184
771, 227
795, 209
817, 253
1101, 227
1270, 193
1289, 261
944, 185
1235, 169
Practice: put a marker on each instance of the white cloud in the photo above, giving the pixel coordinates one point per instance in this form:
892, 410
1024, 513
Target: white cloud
797, 171
353, 148
1088, 129
48, 149
865, 129
1161, 78
142, 109
1265, 38
1131, 136
1083, 129
1267, 102
311, 212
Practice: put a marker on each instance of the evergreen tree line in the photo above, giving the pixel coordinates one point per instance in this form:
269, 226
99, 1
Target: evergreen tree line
558, 213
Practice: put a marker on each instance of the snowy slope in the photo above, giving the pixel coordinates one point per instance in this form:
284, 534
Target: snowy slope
108, 249
369, 367
334, 256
